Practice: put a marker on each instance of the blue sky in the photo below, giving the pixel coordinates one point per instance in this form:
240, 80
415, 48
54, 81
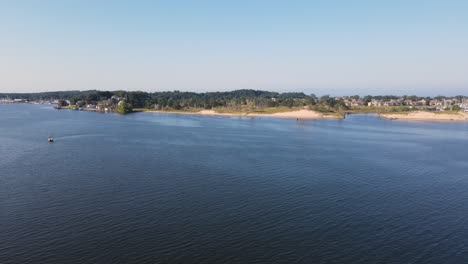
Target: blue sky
323, 47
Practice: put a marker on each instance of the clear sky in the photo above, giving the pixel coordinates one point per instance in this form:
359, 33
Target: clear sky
325, 46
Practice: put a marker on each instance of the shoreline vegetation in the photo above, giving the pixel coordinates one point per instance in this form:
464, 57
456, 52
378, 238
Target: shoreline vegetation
252, 103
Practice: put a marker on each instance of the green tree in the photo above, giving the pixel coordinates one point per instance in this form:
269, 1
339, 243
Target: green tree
62, 103
456, 108
124, 108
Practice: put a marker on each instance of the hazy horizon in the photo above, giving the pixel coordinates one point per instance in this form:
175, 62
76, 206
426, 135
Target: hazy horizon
321, 47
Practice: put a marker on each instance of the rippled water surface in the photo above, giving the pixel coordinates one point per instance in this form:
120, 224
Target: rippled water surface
168, 188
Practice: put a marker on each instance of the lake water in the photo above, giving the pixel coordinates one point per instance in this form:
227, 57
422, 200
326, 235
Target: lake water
168, 188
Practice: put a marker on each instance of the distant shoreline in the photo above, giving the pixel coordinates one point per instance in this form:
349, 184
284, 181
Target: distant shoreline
253, 103
310, 114
301, 114
294, 114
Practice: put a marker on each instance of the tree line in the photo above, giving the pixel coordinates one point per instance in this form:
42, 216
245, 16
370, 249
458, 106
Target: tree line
174, 99
177, 100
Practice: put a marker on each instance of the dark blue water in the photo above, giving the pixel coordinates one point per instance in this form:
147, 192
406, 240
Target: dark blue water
162, 188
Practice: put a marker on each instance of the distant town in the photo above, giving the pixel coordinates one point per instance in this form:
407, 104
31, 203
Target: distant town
234, 101
439, 103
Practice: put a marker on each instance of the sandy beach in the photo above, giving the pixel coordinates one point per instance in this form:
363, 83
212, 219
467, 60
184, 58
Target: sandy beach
297, 114
428, 116
301, 114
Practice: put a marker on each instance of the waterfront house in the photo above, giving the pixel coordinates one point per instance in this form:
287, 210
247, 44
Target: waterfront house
91, 107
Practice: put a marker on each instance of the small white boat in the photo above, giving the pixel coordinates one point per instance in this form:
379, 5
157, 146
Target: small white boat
50, 139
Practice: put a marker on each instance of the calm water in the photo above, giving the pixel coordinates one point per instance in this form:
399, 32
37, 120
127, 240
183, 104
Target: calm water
161, 188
